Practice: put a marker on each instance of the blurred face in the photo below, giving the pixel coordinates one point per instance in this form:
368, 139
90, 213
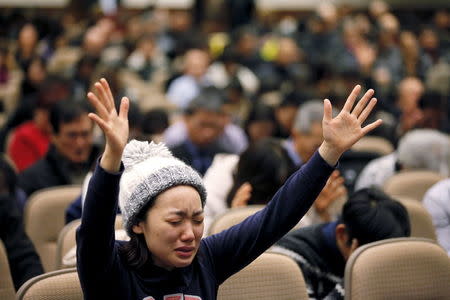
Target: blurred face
173, 227
307, 143
196, 63
204, 127
259, 130
74, 139
410, 91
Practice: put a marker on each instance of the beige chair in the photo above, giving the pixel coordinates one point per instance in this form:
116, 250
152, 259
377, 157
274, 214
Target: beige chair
421, 222
67, 241
412, 184
232, 217
270, 276
402, 268
375, 144
55, 285
7, 290
44, 219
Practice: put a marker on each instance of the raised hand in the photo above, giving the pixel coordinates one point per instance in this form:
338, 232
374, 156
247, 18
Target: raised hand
332, 191
114, 125
341, 132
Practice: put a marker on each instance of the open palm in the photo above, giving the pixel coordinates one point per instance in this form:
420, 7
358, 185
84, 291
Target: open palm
114, 125
342, 131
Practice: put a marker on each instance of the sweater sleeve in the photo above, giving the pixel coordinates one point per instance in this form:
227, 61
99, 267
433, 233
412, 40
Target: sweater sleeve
234, 248
96, 253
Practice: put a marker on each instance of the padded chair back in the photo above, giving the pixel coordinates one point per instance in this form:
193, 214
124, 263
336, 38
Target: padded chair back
67, 241
419, 218
375, 144
55, 285
270, 276
232, 217
412, 184
402, 268
44, 219
7, 291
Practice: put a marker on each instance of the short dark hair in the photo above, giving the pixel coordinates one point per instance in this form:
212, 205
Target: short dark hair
371, 215
65, 112
209, 99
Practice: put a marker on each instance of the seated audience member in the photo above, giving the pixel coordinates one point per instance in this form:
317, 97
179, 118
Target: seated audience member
260, 123
306, 134
71, 152
322, 250
182, 90
24, 263
205, 120
425, 149
437, 202
29, 141
255, 176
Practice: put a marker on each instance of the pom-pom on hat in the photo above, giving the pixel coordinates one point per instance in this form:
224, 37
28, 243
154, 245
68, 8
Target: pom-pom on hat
149, 170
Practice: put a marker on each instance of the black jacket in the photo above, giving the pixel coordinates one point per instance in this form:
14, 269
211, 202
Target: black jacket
50, 171
24, 263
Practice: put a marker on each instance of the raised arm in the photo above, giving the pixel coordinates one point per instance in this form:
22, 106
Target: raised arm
114, 125
341, 132
97, 256
236, 247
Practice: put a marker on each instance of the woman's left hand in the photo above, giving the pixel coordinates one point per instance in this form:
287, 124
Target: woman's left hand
344, 130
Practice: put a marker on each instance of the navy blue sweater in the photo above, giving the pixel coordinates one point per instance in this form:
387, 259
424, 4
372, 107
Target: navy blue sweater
105, 275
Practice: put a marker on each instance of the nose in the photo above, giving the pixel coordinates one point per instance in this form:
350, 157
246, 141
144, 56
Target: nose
188, 233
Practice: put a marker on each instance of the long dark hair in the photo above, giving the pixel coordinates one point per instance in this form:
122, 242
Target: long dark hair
266, 166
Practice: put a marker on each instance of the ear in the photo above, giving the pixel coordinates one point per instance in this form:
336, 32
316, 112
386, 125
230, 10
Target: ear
138, 229
341, 234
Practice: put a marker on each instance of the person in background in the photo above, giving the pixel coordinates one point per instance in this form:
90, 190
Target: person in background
205, 120
419, 149
437, 201
71, 152
183, 89
24, 262
29, 142
321, 251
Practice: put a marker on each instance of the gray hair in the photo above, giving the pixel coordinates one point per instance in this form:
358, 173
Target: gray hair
426, 149
308, 113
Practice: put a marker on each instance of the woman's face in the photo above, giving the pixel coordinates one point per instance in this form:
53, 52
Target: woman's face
173, 227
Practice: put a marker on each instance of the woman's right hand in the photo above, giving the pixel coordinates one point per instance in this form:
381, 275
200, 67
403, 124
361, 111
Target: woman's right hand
114, 125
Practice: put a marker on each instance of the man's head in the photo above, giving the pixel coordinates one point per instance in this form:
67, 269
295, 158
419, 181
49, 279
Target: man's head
71, 131
368, 216
424, 149
409, 92
205, 117
196, 62
307, 129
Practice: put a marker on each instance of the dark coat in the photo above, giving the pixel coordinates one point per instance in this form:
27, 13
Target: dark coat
50, 171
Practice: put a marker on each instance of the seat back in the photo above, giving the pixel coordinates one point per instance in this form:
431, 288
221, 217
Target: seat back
232, 217
412, 184
270, 276
419, 218
401, 268
7, 290
375, 144
67, 242
44, 218
60, 284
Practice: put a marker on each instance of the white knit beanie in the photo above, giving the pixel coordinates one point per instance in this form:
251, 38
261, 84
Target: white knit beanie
149, 170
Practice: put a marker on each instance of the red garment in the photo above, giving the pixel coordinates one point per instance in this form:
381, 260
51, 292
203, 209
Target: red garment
27, 145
